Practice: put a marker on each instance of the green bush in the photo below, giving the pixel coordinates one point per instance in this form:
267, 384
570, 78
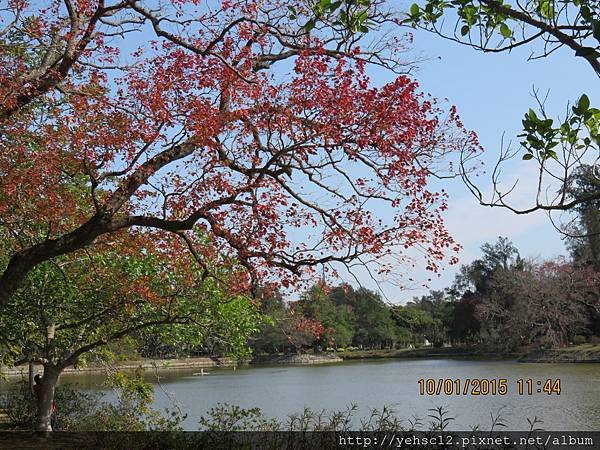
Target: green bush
74, 406
19, 406
86, 411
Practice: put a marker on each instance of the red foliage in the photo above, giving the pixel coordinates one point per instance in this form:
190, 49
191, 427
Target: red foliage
200, 135
311, 326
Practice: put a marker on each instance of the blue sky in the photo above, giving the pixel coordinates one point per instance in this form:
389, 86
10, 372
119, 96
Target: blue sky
492, 92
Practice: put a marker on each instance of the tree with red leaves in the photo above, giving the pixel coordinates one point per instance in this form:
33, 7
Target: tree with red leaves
222, 129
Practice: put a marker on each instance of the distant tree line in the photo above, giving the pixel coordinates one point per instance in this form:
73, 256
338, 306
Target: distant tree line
500, 301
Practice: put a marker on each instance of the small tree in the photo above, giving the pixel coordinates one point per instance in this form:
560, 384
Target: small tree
273, 330
337, 318
374, 325
76, 305
476, 276
418, 322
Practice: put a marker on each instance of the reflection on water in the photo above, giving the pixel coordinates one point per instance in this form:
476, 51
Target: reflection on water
280, 390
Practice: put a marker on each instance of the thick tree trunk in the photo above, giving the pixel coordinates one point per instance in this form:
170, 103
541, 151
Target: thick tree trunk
23, 262
45, 397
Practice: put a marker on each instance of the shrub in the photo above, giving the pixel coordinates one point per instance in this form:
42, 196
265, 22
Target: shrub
74, 406
225, 417
19, 406
86, 411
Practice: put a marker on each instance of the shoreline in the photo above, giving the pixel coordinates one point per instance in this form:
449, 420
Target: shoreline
429, 352
204, 362
586, 353
146, 364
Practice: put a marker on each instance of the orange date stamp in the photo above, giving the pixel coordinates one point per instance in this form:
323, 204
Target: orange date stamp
488, 386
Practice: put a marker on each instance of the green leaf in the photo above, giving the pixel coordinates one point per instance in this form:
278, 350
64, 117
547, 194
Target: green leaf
505, 31
546, 9
334, 6
310, 25
532, 115
583, 104
414, 10
551, 154
464, 30
586, 13
527, 156
469, 13
361, 16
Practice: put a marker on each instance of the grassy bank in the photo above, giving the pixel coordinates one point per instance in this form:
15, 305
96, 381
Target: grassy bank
585, 353
429, 352
578, 353
303, 359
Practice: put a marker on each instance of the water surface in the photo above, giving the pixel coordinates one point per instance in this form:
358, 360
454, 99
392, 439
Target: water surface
282, 390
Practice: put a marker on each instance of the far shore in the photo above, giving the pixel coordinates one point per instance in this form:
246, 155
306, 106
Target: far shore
585, 353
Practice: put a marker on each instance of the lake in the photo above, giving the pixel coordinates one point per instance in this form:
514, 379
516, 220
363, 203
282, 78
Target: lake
282, 390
